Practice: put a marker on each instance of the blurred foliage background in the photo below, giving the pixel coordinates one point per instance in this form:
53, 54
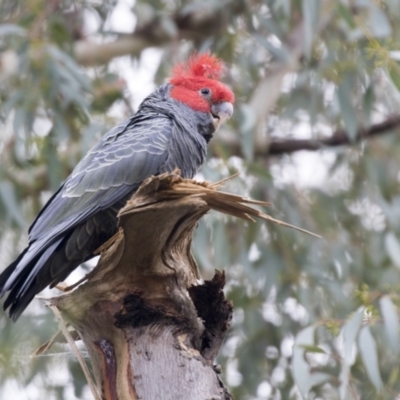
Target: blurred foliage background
315, 132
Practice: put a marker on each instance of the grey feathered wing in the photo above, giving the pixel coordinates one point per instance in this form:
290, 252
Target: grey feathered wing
82, 214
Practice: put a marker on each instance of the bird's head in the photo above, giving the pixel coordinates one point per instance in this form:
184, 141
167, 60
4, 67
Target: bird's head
196, 84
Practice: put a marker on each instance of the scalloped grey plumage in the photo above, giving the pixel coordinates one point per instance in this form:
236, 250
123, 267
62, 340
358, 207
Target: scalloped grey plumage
163, 135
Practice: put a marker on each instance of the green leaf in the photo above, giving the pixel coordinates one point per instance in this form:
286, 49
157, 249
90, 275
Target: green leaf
169, 27
394, 7
391, 322
369, 356
347, 109
346, 14
12, 29
349, 332
248, 122
63, 58
395, 77
379, 23
318, 378
280, 53
313, 349
368, 102
300, 367
392, 246
7, 195
310, 10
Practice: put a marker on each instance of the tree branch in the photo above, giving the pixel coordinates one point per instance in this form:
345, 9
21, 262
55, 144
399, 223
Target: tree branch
338, 138
198, 24
233, 147
268, 91
88, 53
260, 103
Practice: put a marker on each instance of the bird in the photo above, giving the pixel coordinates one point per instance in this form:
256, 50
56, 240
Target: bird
170, 130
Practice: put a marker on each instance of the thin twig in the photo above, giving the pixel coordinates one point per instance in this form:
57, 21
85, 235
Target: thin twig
57, 338
71, 342
223, 180
44, 347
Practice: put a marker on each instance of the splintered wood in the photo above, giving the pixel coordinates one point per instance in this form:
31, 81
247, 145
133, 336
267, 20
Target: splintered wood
143, 312
172, 187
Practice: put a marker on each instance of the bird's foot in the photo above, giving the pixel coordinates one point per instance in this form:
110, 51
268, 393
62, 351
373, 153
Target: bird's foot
62, 286
65, 288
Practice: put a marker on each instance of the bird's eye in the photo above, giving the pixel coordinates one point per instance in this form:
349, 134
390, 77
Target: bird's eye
205, 91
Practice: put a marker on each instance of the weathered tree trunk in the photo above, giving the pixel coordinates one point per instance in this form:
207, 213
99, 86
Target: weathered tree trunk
151, 328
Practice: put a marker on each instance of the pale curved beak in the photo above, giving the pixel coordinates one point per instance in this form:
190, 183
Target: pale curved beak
221, 112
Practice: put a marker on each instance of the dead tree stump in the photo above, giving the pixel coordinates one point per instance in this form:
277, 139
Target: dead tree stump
152, 329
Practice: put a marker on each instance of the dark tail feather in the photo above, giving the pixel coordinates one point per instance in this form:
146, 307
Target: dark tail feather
18, 298
48, 268
51, 259
40, 261
24, 286
13, 300
5, 275
19, 303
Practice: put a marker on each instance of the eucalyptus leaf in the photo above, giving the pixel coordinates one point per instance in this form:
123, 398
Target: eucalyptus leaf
300, 367
395, 77
349, 332
313, 349
319, 378
391, 322
247, 129
346, 108
7, 195
369, 355
379, 22
393, 248
394, 7
12, 29
310, 13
